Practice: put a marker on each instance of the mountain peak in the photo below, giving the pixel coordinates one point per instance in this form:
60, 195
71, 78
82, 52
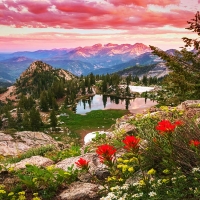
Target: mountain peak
97, 45
36, 66
110, 45
139, 44
39, 67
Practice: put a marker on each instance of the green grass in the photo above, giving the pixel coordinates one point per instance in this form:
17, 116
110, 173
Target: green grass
92, 120
31, 152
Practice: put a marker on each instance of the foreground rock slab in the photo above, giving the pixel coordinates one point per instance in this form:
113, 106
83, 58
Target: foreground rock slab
38, 161
80, 191
20, 142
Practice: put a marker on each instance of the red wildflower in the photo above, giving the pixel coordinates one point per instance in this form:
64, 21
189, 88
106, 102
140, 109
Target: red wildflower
154, 140
82, 163
194, 143
106, 153
178, 123
167, 126
131, 142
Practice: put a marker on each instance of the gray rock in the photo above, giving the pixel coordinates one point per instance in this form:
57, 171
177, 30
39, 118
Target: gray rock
127, 128
20, 142
93, 159
80, 191
102, 174
35, 138
34, 160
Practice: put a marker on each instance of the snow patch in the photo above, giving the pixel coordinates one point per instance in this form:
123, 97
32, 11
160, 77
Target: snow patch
91, 135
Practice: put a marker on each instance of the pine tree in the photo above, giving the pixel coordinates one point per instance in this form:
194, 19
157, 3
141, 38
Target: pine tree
11, 121
1, 123
53, 119
183, 81
145, 80
26, 122
54, 104
44, 102
19, 116
35, 120
92, 79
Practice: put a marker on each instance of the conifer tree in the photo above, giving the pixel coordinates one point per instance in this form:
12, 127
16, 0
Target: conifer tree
92, 79
145, 80
183, 81
44, 101
54, 104
26, 122
35, 120
1, 122
11, 120
53, 119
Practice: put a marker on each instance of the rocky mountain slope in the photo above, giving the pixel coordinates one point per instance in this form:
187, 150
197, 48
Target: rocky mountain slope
154, 70
39, 67
39, 77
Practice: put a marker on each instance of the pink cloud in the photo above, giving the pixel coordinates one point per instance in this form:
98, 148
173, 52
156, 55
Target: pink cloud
90, 15
81, 7
143, 3
86, 17
40, 7
32, 6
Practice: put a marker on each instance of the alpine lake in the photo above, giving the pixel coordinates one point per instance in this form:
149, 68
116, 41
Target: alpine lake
104, 102
99, 112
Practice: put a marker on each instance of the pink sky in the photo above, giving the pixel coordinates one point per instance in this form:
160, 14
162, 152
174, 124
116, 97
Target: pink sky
47, 24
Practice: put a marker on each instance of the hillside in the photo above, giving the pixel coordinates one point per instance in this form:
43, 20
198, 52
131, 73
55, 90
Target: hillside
40, 77
155, 70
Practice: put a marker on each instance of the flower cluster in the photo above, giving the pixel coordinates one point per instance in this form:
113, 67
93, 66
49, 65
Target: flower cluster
82, 163
131, 143
194, 143
106, 153
165, 126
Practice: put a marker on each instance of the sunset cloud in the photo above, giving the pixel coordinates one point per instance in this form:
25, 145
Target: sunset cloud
78, 14
144, 3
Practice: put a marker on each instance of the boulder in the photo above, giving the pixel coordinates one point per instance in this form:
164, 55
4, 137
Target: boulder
20, 142
191, 107
34, 160
35, 138
93, 159
127, 128
80, 191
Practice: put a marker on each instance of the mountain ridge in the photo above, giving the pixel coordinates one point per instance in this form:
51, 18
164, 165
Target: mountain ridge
107, 58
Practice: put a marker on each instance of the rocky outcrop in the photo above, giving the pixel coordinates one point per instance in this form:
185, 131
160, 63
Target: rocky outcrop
191, 107
80, 191
124, 125
20, 142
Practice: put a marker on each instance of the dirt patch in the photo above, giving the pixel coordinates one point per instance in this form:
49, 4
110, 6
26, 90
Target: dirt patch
9, 94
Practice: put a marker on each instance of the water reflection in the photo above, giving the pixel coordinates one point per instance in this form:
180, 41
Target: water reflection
102, 102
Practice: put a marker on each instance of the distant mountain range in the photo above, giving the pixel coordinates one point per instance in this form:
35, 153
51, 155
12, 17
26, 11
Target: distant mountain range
98, 59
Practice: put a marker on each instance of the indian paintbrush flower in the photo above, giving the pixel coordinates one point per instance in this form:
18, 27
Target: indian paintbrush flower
106, 153
131, 143
165, 126
194, 143
82, 163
